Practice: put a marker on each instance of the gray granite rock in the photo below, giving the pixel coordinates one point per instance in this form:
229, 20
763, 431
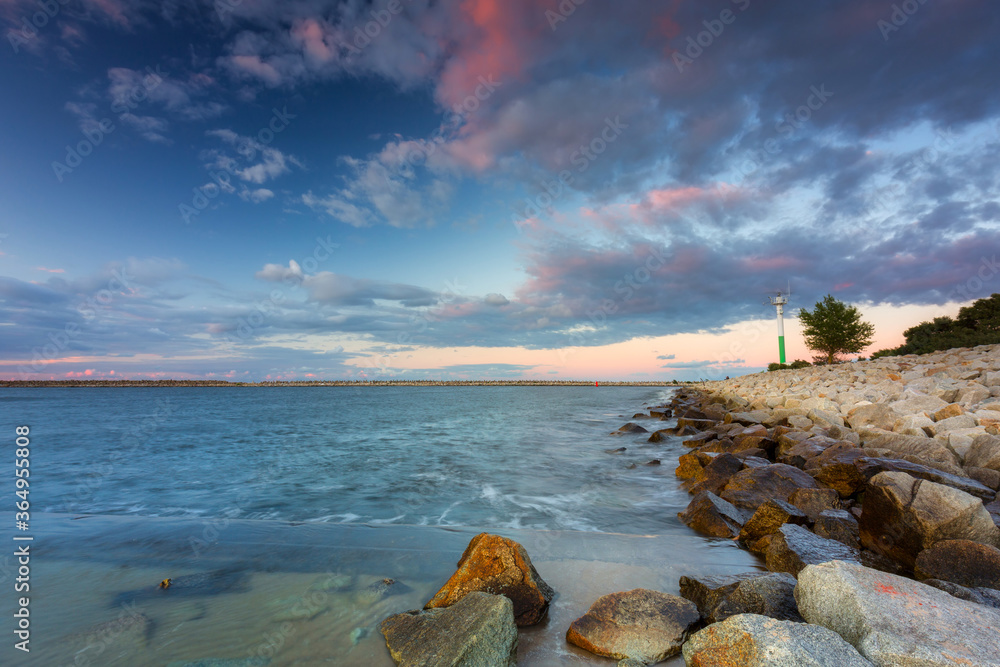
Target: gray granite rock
749, 640
898, 622
476, 631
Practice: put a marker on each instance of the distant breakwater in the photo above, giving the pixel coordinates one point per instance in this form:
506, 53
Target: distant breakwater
338, 383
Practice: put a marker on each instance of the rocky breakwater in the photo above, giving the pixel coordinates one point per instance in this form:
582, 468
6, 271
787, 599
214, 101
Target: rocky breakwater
876, 479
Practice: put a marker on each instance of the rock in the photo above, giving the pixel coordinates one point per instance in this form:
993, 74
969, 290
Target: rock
750, 640
962, 562
768, 594
700, 439
695, 423
902, 516
894, 621
984, 452
768, 518
630, 427
709, 514
836, 469
918, 425
752, 487
692, 466
794, 547
925, 448
877, 415
815, 501
838, 525
952, 424
911, 403
869, 467
985, 596
825, 419
751, 417
497, 565
640, 624
658, 436
717, 473
478, 630
985, 476
948, 411
620, 450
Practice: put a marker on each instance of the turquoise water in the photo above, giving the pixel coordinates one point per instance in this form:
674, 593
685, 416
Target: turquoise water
289, 503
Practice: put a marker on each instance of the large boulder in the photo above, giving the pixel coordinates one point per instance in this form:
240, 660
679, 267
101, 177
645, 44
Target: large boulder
750, 640
902, 516
794, 547
477, 631
717, 473
495, 564
898, 622
709, 514
962, 562
871, 466
925, 448
640, 624
751, 488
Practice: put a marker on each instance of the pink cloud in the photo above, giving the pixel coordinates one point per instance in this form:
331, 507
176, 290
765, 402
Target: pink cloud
497, 45
42, 268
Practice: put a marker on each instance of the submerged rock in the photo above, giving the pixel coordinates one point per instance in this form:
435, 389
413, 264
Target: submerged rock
640, 624
897, 622
497, 565
477, 631
630, 427
750, 640
227, 580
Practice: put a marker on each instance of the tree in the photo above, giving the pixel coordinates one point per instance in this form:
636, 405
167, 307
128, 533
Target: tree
976, 324
834, 328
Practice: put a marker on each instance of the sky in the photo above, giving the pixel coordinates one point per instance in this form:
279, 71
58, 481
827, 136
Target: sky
460, 189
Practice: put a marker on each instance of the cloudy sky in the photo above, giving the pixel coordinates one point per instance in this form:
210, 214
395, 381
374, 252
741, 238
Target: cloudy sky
256, 189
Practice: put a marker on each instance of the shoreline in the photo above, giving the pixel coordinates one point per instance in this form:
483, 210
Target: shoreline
872, 488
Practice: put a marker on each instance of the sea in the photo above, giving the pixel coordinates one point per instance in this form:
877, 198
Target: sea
280, 515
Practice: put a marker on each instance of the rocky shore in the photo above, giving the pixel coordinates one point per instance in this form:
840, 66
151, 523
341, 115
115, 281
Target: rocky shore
868, 489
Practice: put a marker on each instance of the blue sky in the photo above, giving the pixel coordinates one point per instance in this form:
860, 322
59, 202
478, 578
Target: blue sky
479, 188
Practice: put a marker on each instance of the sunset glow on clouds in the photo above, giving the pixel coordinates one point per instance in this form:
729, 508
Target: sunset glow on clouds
476, 188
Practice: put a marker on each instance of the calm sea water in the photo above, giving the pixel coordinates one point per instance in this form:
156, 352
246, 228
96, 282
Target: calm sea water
280, 495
